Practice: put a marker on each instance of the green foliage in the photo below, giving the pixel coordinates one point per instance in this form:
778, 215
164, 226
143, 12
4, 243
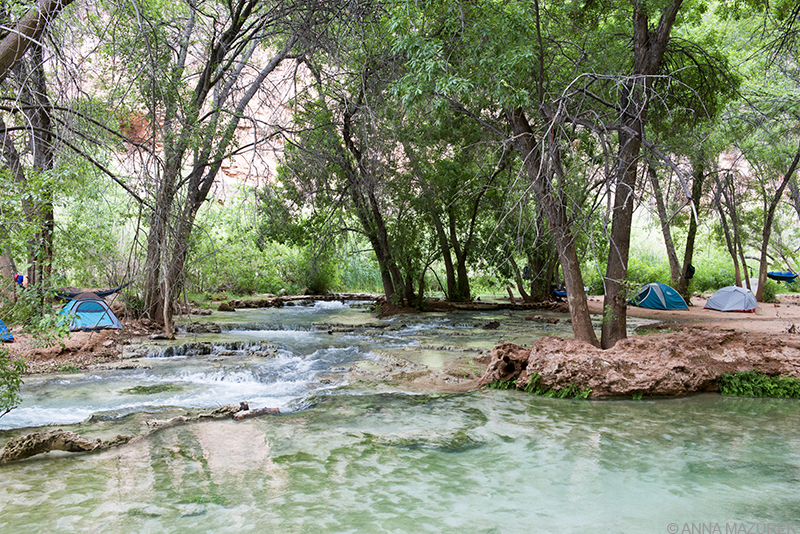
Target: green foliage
757, 384
94, 230
646, 268
319, 270
504, 384
770, 291
228, 252
573, 391
359, 271
11, 371
69, 368
41, 319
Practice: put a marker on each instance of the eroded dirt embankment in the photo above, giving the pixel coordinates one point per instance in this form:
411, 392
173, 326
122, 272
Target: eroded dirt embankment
671, 364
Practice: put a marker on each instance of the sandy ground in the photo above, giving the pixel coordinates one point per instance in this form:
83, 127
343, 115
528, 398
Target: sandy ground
767, 319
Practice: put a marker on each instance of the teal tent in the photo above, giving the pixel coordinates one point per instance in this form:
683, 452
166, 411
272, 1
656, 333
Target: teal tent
658, 296
87, 311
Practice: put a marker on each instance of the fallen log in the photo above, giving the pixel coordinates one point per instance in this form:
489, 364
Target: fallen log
258, 411
61, 440
54, 440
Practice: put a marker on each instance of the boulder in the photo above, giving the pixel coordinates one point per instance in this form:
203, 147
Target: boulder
673, 364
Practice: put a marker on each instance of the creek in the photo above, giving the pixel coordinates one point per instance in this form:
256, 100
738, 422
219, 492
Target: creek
372, 456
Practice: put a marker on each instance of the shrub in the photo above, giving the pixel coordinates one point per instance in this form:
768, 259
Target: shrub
770, 291
757, 384
11, 372
319, 270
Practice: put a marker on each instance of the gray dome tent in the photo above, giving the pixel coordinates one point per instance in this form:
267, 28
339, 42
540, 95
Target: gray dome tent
733, 298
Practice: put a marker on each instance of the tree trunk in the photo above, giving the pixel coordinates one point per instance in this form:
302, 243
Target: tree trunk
462, 283
615, 303
697, 191
37, 112
444, 245
729, 242
27, 32
519, 280
674, 264
528, 148
648, 53
767, 231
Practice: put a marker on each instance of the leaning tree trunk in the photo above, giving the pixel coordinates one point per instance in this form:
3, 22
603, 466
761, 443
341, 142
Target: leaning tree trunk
674, 264
528, 148
697, 191
766, 232
519, 280
27, 32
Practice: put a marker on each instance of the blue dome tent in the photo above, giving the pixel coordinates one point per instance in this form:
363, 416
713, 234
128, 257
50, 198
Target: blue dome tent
87, 311
658, 296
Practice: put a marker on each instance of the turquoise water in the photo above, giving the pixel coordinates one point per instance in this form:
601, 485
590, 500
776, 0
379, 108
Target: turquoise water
344, 458
490, 461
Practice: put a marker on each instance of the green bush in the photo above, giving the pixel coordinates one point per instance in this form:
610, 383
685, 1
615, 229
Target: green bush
770, 291
11, 371
757, 384
319, 272
646, 269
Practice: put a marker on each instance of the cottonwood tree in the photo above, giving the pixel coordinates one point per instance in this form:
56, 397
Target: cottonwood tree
26, 32
345, 157
200, 70
488, 62
28, 137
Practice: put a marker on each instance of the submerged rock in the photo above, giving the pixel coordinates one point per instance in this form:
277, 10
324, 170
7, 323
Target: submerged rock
203, 328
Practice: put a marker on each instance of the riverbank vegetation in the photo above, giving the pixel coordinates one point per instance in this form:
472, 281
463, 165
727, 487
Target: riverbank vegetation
413, 150
757, 384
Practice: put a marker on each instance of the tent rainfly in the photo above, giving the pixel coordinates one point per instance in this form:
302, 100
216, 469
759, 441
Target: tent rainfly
87, 311
658, 296
5, 334
733, 298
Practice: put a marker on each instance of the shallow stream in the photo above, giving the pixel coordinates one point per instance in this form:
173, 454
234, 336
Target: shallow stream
358, 457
